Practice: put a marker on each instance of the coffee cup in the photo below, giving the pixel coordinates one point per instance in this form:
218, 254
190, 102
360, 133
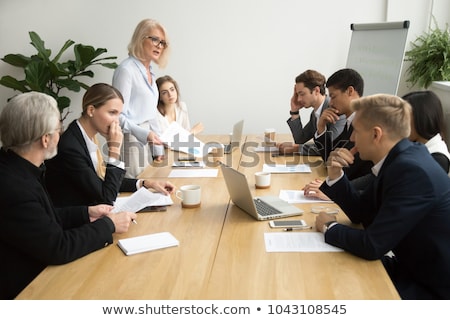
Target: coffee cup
269, 137
190, 196
262, 180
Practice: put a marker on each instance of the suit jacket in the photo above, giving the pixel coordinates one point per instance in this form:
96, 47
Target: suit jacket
34, 234
71, 177
302, 134
325, 144
406, 209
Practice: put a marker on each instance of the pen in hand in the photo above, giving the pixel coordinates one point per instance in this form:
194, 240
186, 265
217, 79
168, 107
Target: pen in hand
134, 221
297, 228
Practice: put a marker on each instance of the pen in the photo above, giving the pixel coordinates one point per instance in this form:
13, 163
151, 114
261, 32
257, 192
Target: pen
297, 228
134, 221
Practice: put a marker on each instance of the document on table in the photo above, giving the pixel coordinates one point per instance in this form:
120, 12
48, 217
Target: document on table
297, 242
282, 168
147, 242
193, 173
298, 196
266, 149
140, 199
179, 139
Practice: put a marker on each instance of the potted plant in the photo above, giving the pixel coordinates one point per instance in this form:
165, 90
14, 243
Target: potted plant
51, 75
429, 57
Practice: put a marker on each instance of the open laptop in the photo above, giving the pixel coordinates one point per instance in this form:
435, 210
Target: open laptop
236, 137
261, 208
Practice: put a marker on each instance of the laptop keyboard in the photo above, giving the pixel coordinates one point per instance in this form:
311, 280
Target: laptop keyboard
265, 209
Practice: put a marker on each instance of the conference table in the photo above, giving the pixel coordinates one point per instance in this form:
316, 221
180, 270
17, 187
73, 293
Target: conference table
221, 253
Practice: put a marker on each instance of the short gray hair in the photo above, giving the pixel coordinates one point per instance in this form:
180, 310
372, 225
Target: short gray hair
26, 118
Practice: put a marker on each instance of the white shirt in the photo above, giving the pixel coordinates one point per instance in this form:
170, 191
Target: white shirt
182, 118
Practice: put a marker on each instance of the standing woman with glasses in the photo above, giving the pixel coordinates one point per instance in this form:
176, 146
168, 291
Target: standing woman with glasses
135, 79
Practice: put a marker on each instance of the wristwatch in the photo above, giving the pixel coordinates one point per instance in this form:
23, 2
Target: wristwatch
327, 225
294, 112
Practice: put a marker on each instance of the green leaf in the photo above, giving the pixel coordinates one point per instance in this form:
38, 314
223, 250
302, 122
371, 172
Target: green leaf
69, 84
17, 60
66, 45
63, 102
110, 65
37, 42
37, 75
13, 83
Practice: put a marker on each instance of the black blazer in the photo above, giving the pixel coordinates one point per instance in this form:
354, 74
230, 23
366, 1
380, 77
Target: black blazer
71, 177
34, 234
406, 209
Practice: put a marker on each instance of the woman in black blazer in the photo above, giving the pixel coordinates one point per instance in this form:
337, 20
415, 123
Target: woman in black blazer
77, 175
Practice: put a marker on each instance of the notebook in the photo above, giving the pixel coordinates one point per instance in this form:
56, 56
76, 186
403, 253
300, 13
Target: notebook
261, 208
236, 137
147, 242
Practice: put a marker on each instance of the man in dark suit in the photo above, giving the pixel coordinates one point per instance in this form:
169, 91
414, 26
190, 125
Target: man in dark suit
309, 91
34, 233
344, 86
405, 210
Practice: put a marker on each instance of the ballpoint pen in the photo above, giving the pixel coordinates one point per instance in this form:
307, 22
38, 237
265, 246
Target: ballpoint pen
297, 228
134, 221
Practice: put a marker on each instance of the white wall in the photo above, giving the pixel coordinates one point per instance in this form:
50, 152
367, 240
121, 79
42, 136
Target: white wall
232, 59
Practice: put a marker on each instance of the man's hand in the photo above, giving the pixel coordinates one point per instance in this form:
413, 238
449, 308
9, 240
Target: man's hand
122, 220
323, 218
329, 115
98, 211
338, 159
288, 148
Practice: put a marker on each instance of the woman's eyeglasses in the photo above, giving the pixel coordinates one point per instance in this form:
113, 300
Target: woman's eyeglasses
158, 42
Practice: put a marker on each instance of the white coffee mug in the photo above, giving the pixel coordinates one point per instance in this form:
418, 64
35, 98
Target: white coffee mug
190, 196
262, 180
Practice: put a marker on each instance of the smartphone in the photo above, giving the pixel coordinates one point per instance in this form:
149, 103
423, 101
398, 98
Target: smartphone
287, 223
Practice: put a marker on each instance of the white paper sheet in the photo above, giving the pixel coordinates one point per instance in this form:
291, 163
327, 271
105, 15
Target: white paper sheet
298, 196
266, 149
282, 168
193, 173
297, 241
179, 139
140, 199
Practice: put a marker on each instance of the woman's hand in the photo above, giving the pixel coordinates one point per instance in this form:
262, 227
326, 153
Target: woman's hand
164, 187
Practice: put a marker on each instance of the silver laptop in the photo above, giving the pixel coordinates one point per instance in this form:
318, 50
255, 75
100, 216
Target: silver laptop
261, 208
236, 137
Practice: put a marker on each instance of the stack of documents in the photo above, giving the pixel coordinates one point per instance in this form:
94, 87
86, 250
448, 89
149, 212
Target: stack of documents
147, 243
140, 199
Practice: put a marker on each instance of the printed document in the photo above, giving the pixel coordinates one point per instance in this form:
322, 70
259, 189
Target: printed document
179, 139
140, 199
297, 241
298, 196
284, 168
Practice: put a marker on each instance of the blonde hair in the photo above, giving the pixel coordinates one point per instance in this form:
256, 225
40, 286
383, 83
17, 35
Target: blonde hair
26, 118
136, 46
389, 112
